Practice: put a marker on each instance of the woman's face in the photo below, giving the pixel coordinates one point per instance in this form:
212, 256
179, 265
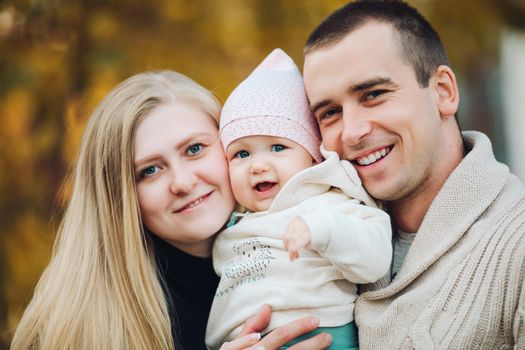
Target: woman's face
182, 177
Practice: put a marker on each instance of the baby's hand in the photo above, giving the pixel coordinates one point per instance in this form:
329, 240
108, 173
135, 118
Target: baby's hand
296, 237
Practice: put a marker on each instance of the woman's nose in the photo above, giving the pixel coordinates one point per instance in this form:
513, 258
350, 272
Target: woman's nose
182, 182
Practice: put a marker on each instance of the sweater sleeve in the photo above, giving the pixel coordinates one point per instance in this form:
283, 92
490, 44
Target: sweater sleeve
519, 321
354, 237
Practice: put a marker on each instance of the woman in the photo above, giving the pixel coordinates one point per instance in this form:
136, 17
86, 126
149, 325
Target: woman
150, 190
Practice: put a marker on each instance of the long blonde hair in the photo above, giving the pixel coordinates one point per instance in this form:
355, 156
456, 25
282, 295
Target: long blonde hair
101, 289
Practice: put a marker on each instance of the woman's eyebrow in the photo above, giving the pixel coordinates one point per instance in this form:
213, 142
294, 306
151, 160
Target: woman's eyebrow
185, 141
145, 160
192, 137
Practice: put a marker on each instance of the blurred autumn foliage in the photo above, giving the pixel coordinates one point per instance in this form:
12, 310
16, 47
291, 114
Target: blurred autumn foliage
59, 58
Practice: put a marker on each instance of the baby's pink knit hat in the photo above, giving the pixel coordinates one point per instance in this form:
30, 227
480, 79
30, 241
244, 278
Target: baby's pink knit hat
271, 102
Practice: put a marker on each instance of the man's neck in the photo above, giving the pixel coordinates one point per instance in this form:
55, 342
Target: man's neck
408, 212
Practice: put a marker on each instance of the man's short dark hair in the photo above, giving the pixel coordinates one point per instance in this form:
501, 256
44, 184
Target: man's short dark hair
420, 44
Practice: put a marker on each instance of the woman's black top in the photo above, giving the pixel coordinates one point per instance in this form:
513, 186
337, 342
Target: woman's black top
191, 283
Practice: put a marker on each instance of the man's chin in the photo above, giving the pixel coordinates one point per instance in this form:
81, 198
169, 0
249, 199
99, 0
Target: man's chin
382, 191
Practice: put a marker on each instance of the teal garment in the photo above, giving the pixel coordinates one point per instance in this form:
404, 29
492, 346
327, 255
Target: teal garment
343, 337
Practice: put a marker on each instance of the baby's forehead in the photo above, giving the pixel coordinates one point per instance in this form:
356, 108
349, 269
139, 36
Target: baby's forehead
258, 140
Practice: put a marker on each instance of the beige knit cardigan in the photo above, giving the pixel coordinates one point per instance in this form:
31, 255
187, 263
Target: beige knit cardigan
462, 283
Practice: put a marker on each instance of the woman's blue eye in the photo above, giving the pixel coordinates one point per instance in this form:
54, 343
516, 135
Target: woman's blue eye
278, 148
241, 154
194, 149
149, 171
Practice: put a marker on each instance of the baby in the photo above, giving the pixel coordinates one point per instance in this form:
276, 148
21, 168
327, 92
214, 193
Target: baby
295, 202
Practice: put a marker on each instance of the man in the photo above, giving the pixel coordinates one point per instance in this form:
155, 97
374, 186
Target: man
381, 88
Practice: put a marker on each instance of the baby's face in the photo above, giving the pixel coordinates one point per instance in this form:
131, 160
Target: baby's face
261, 165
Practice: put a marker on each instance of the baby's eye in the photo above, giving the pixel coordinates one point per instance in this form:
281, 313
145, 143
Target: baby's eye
241, 154
194, 149
278, 148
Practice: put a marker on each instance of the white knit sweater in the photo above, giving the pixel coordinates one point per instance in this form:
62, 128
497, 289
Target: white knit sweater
462, 283
351, 243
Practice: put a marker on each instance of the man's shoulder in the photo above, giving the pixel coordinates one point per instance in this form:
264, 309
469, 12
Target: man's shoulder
505, 217
500, 191
511, 200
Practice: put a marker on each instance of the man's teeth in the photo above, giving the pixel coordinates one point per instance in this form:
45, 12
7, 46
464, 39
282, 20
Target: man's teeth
373, 157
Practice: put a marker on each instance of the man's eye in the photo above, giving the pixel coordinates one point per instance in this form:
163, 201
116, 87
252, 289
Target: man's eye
241, 154
372, 95
329, 113
278, 148
194, 149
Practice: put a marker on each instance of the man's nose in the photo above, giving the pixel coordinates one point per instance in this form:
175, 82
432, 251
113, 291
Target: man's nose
355, 127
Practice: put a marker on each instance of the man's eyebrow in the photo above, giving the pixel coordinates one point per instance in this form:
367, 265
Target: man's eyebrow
367, 84
364, 85
319, 105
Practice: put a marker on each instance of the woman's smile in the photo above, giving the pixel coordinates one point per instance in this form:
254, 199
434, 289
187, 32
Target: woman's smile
195, 204
183, 202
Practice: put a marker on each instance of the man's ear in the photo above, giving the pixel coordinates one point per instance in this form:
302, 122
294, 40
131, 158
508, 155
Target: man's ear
446, 87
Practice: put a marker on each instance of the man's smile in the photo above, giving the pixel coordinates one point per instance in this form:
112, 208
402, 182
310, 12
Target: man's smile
373, 156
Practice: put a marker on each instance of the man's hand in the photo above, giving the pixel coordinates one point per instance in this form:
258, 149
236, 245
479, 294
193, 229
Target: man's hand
278, 336
297, 236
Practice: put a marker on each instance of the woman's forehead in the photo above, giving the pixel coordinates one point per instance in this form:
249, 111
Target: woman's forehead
171, 124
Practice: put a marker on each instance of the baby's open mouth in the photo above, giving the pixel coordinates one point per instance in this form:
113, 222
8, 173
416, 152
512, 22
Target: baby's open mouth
264, 186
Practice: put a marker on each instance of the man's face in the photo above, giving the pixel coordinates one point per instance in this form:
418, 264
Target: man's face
372, 112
